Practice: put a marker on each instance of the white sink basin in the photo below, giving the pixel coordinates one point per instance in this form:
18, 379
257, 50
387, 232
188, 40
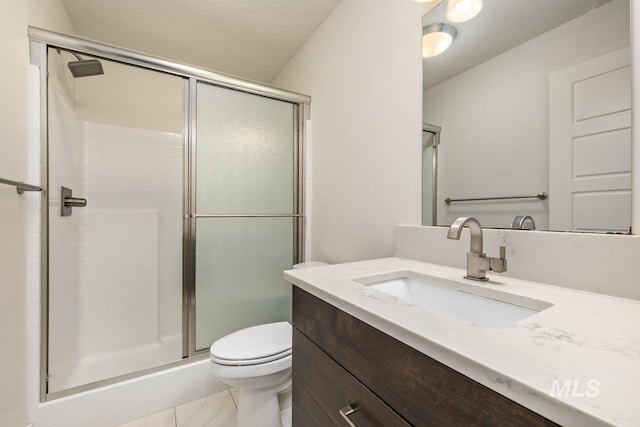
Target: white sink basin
480, 305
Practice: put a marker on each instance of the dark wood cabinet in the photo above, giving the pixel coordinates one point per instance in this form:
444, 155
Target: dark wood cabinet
339, 360
333, 388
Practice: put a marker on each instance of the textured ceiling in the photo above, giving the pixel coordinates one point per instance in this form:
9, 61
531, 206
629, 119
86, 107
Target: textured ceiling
253, 39
500, 26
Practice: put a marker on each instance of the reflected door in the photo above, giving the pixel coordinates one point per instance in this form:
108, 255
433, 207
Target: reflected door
590, 145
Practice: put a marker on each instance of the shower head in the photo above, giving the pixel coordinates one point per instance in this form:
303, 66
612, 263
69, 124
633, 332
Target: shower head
85, 67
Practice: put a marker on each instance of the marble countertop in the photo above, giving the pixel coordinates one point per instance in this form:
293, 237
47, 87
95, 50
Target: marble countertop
576, 363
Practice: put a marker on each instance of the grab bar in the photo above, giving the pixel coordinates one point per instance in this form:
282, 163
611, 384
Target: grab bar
21, 187
540, 196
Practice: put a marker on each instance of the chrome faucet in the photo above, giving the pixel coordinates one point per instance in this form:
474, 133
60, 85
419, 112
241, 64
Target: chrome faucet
477, 262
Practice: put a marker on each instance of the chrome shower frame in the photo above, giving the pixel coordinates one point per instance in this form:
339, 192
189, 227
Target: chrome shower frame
40, 41
435, 160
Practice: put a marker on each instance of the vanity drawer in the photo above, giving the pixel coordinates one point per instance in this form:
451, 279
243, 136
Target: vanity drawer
306, 411
424, 391
333, 388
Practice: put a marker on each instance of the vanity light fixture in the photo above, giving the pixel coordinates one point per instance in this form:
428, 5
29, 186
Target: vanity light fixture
463, 10
436, 38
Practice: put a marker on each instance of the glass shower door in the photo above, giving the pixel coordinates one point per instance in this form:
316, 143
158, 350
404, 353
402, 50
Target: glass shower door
115, 265
246, 210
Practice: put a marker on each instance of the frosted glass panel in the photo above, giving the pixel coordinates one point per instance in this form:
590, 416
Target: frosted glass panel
245, 150
239, 264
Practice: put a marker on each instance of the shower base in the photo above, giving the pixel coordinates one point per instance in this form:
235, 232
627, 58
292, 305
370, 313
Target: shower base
97, 368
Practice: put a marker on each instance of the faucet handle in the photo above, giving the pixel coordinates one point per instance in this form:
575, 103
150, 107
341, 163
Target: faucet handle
499, 265
523, 222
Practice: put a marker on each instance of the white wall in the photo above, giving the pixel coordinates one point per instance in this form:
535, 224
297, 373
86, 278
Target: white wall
495, 117
15, 16
362, 68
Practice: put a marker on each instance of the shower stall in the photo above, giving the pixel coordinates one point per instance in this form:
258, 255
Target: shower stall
172, 204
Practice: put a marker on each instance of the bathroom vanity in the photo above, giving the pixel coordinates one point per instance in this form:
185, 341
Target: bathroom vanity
359, 363
365, 357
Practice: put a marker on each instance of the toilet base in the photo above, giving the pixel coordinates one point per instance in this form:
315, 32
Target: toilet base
285, 399
264, 407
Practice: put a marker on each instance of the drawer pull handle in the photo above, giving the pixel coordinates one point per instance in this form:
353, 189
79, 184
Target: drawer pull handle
345, 412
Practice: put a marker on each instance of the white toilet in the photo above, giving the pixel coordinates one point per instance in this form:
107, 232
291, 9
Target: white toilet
257, 360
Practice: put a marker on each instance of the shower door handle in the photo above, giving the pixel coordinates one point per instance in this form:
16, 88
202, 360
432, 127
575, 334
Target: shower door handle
69, 202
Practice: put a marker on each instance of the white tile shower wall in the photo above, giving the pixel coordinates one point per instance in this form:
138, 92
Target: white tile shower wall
118, 293
128, 293
112, 405
600, 263
140, 169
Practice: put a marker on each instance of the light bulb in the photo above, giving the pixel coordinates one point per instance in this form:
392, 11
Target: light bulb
436, 38
464, 5
435, 43
463, 10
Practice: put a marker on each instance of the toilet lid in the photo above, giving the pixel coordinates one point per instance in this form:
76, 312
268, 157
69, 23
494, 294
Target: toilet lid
257, 344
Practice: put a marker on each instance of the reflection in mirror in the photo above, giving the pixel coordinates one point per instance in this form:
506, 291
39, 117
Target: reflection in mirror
532, 98
523, 222
430, 141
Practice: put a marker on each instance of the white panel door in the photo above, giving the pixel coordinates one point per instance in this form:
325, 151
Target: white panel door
590, 145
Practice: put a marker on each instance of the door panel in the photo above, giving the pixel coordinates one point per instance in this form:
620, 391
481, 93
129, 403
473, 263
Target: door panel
590, 145
246, 206
115, 265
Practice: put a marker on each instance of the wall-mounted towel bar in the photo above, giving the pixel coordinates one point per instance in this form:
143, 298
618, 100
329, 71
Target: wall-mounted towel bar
21, 187
540, 196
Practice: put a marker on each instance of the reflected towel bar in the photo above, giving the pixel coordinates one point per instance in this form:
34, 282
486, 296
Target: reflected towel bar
21, 187
540, 196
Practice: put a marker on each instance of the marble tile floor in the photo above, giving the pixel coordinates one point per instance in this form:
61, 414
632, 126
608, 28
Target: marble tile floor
216, 410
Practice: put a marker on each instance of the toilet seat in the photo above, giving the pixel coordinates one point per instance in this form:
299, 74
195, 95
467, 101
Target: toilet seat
276, 367
254, 345
246, 362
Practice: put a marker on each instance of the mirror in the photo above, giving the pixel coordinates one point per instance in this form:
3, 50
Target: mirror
532, 98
